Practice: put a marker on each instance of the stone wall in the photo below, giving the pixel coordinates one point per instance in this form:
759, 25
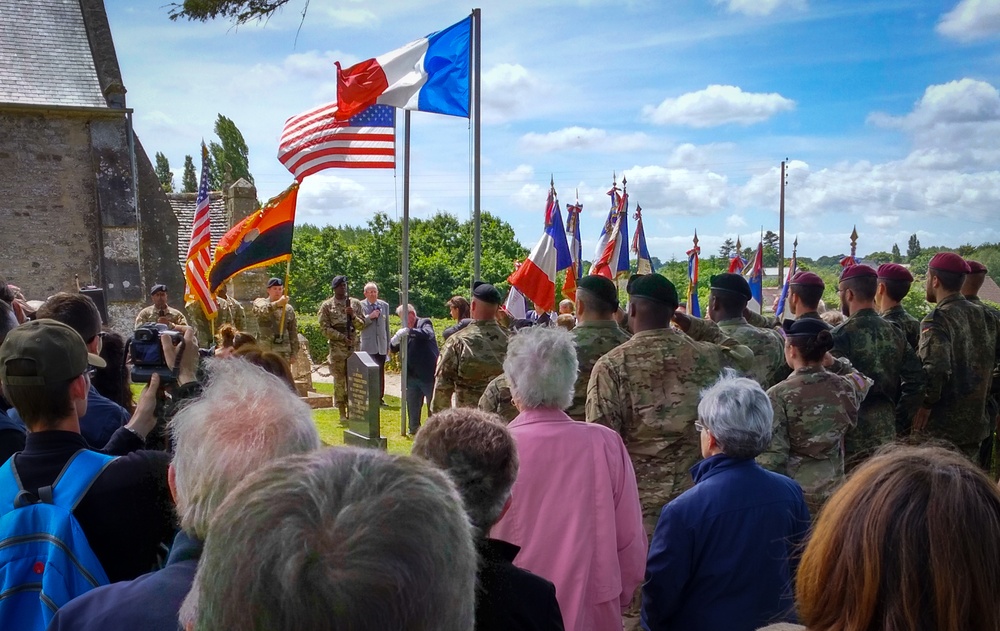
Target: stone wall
47, 203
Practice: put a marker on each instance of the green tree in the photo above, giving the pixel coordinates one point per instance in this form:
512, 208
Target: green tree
189, 181
239, 11
880, 257
230, 157
913, 248
727, 249
897, 257
163, 173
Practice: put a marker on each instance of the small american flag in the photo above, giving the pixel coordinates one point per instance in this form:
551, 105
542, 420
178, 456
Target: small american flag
315, 140
199, 252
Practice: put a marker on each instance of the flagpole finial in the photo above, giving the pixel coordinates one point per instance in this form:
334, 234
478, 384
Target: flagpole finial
854, 241
552, 180
795, 244
623, 181
614, 178
738, 246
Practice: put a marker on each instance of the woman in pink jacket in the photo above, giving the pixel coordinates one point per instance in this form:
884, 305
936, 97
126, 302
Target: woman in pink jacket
574, 510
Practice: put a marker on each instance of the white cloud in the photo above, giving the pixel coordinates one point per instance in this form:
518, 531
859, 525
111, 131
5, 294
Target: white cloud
717, 105
759, 8
971, 20
677, 191
350, 17
579, 138
735, 222
882, 221
508, 92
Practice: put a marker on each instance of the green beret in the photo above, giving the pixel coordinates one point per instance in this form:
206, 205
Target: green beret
601, 287
654, 287
732, 283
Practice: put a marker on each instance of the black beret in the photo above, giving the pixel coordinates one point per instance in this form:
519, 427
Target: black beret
601, 287
157, 287
275, 282
733, 283
654, 287
337, 280
806, 327
486, 292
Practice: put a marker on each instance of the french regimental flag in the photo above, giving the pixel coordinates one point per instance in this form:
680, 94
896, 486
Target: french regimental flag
536, 277
430, 74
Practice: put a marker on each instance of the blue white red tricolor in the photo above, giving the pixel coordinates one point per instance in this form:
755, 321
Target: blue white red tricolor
693, 308
611, 256
536, 277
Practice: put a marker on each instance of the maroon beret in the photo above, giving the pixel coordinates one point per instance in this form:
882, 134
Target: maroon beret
975, 267
949, 262
806, 278
894, 271
857, 271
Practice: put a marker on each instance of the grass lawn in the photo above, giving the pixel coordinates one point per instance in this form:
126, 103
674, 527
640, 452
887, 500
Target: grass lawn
331, 431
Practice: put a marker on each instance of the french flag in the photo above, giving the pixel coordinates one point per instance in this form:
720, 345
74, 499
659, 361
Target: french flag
428, 75
536, 277
612, 246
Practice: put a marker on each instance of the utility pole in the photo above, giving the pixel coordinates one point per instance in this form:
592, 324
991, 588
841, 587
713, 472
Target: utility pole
781, 223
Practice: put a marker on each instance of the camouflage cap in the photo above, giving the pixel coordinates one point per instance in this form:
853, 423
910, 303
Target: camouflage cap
486, 292
894, 271
653, 287
975, 267
807, 278
601, 287
858, 271
732, 283
949, 262
56, 350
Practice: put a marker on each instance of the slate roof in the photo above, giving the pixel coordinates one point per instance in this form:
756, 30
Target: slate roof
45, 55
184, 205
990, 291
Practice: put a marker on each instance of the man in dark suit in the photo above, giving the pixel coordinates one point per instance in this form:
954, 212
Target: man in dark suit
421, 361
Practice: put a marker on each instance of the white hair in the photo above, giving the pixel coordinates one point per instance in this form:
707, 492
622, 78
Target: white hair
341, 538
541, 367
738, 413
371, 286
244, 418
399, 310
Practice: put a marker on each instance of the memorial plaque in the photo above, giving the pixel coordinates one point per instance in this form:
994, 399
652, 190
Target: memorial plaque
363, 402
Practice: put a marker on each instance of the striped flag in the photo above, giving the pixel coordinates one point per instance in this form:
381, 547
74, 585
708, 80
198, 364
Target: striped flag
315, 140
644, 264
199, 257
693, 308
536, 277
575, 272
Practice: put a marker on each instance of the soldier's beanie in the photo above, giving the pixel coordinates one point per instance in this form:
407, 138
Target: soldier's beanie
486, 292
157, 288
975, 267
806, 327
807, 278
275, 282
337, 281
858, 271
654, 287
894, 271
949, 262
601, 287
733, 283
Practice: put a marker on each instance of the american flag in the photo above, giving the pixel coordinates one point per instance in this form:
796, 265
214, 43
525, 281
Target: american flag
199, 256
315, 140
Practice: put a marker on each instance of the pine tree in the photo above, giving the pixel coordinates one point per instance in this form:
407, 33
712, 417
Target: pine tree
913, 248
190, 179
727, 249
163, 173
897, 257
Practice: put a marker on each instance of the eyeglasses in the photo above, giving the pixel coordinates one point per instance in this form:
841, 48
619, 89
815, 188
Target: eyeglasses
699, 427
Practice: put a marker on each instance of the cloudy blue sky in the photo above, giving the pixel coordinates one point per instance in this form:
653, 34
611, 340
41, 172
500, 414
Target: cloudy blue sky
888, 112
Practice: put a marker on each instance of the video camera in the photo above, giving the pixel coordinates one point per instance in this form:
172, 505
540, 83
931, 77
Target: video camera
147, 353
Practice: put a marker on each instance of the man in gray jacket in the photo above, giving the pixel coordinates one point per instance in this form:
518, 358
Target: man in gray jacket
375, 334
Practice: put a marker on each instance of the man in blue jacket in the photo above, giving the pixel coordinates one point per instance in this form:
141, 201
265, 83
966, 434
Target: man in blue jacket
421, 361
723, 554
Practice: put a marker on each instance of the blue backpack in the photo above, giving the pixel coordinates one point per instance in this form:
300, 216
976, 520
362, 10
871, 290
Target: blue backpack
45, 559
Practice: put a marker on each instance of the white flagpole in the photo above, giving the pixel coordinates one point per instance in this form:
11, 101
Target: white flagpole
405, 283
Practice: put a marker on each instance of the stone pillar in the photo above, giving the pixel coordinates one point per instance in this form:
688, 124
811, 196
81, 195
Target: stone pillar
241, 201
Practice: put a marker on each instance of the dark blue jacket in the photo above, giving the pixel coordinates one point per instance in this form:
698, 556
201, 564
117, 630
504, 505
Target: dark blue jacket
103, 418
421, 351
150, 602
724, 554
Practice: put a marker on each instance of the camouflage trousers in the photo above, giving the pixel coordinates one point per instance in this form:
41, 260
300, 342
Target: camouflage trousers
876, 427
660, 480
338, 368
283, 349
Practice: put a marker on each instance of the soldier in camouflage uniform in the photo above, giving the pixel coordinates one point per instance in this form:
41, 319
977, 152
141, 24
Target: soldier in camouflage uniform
340, 321
497, 399
596, 333
878, 349
648, 388
275, 336
230, 312
472, 357
894, 282
159, 312
726, 303
970, 289
813, 410
959, 348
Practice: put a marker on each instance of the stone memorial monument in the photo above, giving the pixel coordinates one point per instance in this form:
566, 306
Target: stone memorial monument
363, 400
